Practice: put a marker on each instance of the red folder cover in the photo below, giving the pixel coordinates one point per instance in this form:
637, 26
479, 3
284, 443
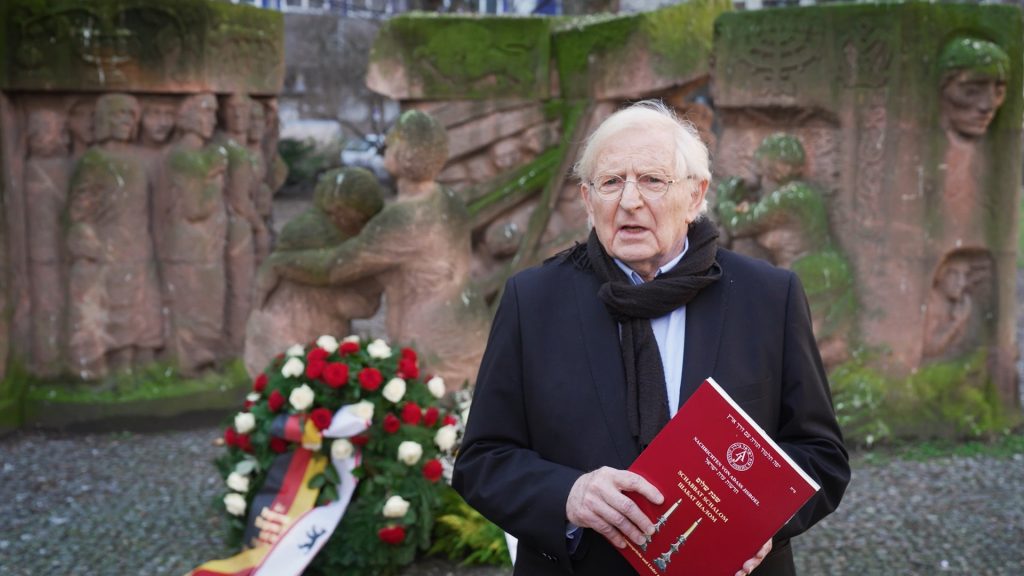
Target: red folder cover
728, 488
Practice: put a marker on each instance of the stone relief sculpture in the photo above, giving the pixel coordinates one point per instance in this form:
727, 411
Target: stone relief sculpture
344, 201
956, 303
262, 193
114, 295
80, 126
46, 188
418, 248
973, 74
787, 221
246, 229
194, 237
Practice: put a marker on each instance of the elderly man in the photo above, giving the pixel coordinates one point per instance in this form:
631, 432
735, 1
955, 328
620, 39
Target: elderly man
592, 353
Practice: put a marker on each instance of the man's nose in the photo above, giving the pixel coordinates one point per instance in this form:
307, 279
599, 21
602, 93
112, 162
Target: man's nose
631, 197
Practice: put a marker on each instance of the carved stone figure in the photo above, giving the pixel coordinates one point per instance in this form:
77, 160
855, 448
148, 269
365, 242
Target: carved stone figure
46, 189
262, 194
418, 248
157, 121
953, 314
246, 229
194, 237
344, 200
973, 87
158, 116
788, 221
80, 126
115, 302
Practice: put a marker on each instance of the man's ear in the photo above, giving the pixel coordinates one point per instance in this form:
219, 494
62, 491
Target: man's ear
585, 194
700, 191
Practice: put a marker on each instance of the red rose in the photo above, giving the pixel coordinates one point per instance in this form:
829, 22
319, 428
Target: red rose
347, 348
391, 534
336, 374
247, 404
408, 369
391, 424
432, 470
315, 368
370, 379
259, 383
431, 416
276, 401
317, 355
450, 420
278, 445
321, 418
230, 436
411, 413
243, 442
408, 354
361, 439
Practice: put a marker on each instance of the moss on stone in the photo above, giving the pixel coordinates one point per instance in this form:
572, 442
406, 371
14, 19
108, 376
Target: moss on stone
576, 41
468, 57
355, 189
781, 147
680, 36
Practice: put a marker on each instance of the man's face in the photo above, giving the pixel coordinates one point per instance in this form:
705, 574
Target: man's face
643, 233
970, 101
157, 121
119, 120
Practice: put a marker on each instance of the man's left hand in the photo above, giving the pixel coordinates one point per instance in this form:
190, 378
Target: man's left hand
754, 562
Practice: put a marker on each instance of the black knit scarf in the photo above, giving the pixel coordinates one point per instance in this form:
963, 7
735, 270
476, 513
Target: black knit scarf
633, 307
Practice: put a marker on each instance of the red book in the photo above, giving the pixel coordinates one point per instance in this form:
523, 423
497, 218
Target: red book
728, 488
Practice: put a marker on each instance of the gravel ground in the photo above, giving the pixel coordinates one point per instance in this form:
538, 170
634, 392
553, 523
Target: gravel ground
122, 504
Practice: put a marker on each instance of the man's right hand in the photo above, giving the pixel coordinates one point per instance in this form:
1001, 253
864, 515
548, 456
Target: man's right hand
596, 501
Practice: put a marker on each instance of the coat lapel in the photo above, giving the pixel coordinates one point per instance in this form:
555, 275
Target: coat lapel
600, 335
704, 317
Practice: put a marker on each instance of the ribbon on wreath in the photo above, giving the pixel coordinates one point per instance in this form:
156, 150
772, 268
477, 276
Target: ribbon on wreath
285, 528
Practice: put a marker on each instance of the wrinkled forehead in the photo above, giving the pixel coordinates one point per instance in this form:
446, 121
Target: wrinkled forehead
642, 148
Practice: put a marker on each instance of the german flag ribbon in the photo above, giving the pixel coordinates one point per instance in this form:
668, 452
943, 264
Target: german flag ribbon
285, 530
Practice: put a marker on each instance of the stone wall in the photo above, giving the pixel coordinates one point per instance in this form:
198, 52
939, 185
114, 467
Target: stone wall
116, 165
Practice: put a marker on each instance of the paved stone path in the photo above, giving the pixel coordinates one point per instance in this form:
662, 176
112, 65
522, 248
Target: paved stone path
126, 504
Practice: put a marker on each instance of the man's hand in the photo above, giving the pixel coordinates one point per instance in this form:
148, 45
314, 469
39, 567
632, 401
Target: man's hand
597, 501
754, 562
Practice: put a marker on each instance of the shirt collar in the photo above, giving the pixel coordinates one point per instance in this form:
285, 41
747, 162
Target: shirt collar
637, 280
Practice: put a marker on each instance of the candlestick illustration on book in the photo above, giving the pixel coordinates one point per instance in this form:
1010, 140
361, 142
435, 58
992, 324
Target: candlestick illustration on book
660, 523
662, 561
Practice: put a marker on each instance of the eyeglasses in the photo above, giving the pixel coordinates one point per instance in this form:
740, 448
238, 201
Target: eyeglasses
650, 186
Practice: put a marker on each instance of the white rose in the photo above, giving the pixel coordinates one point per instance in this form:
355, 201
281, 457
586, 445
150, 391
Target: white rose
396, 507
235, 503
328, 343
394, 390
296, 350
351, 338
445, 437
362, 409
301, 397
244, 422
252, 396
436, 386
238, 483
341, 449
293, 368
379, 349
409, 452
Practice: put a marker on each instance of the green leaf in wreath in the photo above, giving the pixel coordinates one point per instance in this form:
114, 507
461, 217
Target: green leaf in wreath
332, 475
329, 493
318, 481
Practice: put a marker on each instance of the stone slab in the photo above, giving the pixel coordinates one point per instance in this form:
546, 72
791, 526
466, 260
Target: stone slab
155, 46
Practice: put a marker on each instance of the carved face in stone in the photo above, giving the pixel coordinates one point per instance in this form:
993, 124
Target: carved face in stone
970, 101
198, 115
46, 134
158, 121
80, 122
257, 123
236, 114
117, 115
954, 279
973, 84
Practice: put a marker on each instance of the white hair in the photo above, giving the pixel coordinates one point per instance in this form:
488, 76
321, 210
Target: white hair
691, 153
